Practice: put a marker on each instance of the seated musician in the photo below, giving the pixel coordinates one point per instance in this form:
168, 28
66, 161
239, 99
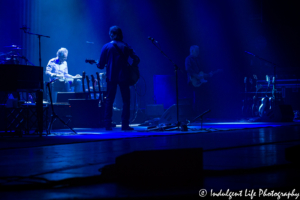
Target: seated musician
57, 68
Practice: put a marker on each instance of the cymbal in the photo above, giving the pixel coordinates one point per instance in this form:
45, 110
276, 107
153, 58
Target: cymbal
16, 48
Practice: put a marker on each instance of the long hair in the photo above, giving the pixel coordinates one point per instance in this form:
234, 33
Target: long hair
115, 33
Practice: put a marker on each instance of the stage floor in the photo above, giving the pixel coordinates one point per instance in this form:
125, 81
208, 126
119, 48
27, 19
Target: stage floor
62, 165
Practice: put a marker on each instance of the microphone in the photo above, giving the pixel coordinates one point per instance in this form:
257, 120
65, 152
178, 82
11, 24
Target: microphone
24, 28
152, 39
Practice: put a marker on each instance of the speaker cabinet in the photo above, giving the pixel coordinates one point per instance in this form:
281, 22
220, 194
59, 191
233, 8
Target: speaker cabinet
63, 97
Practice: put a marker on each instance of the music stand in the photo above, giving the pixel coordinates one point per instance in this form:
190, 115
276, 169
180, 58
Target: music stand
54, 116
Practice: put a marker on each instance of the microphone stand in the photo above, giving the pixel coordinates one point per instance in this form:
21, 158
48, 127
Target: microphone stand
39, 100
26, 60
54, 116
176, 68
39, 36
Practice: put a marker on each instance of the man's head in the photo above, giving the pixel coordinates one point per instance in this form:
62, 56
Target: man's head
115, 33
194, 51
62, 54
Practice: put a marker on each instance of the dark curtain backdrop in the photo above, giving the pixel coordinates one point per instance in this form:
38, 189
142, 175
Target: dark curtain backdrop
222, 29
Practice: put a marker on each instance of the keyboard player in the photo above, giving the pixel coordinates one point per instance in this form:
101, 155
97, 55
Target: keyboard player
57, 68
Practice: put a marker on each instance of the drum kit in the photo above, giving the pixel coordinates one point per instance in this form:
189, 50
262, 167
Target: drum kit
12, 56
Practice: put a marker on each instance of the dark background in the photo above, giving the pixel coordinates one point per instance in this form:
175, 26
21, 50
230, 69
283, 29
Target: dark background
223, 29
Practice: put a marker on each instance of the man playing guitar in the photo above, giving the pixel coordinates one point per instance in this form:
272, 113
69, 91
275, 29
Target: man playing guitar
196, 77
57, 68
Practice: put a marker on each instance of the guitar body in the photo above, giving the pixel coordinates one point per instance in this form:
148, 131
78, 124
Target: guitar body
256, 102
264, 107
198, 79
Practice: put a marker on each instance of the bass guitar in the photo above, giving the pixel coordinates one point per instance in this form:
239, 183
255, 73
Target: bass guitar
199, 79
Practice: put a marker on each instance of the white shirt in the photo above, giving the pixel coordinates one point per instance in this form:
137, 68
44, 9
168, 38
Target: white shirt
54, 67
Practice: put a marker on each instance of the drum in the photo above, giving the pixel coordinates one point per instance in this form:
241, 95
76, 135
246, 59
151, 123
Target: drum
2, 58
12, 59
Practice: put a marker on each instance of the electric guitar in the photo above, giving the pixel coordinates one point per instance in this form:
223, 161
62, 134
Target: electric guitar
88, 85
265, 105
255, 105
82, 80
98, 78
93, 82
276, 97
199, 79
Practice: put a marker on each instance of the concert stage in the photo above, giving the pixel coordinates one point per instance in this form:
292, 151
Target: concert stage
64, 165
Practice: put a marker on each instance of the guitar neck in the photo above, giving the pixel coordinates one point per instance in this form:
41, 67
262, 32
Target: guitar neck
88, 83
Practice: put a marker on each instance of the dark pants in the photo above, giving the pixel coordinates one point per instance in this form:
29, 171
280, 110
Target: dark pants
110, 98
200, 99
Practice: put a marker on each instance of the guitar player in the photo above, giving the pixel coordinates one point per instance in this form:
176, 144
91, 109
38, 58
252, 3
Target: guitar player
57, 68
196, 78
114, 57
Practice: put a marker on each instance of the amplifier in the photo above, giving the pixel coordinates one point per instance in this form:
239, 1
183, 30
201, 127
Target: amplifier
63, 97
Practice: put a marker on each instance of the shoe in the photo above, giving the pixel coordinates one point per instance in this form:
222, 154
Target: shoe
127, 128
